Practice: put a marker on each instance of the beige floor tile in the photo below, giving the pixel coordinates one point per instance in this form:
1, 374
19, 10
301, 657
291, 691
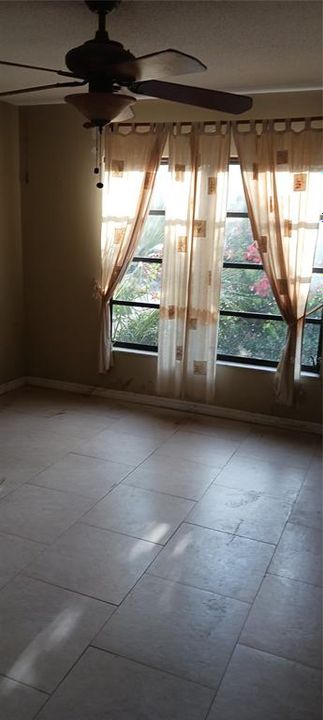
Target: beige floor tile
251, 514
176, 628
314, 476
78, 424
36, 401
68, 460
94, 562
14, 472
105, 686
120, 447
15, 554
215, 561
41, 447
218, 428
140, 513
173, 476
285, 620
44, 630
84, 475
267, 476
299, 554
286, 447
19, 702
41, 514
199, 448
308, 507
149, 423
12, 422
258, 686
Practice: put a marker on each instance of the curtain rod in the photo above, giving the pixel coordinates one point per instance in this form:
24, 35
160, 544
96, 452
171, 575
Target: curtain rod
187, 123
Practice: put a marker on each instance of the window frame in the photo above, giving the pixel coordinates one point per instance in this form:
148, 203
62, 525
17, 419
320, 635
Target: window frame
247, 360
135, 303
222, 357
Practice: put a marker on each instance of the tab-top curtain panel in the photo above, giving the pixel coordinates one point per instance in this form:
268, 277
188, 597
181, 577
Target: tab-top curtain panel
282, 178
131, 161
192, 262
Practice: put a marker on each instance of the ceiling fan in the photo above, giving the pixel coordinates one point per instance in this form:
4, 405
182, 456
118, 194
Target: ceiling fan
107, 68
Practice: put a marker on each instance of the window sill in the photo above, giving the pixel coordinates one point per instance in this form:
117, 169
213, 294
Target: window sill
135, 351
226, 363
251, 366
248, 366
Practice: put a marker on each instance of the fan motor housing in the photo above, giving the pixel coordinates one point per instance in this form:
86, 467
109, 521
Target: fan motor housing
95, 57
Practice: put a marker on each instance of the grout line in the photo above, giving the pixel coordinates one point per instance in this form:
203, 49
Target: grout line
162, 492
61, 681
282, 657
79, 656
21, 570
124, 534
292, 579
262, 458
80, 520
210, 705
234, 534
31, 687
144, 572
71, 493
27, 537
266, 652
152, 667
247, 616
97, 633
282, 498
197, 587
99, 457
66, 589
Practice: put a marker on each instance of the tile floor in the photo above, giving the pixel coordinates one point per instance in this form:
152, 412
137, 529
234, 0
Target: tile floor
156, 565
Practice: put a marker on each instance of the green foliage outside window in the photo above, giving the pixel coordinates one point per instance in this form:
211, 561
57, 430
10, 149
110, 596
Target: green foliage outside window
243, 289
141, 283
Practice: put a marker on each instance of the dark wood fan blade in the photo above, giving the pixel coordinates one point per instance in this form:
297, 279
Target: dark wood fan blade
36, 67
42, 87
156, 65
200, 97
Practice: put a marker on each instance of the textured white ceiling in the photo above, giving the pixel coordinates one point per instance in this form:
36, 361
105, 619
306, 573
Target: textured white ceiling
248, 46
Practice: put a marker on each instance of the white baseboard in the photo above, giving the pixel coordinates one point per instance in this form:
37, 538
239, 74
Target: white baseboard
61, 385
12, 385
174, 404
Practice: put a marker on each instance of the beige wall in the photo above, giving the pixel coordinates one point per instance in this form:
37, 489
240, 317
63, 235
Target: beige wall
11, 279
61, 231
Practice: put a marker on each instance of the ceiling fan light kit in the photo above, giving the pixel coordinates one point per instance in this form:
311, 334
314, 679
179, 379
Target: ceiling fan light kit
100, 108
107, 68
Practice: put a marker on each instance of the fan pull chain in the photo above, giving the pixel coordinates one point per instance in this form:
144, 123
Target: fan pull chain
98, 170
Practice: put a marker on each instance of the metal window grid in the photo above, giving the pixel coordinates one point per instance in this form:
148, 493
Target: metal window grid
228, 313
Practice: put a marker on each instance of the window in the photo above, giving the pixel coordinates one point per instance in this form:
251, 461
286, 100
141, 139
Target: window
251, 328
135, 306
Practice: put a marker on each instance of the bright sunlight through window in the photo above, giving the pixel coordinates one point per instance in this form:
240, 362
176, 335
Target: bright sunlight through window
251, 328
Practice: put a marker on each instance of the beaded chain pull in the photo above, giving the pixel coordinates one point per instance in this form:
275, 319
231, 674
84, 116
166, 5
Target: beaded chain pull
98, 170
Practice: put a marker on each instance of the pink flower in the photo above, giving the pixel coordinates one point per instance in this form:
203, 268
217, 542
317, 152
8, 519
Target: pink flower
252, 254
261, 287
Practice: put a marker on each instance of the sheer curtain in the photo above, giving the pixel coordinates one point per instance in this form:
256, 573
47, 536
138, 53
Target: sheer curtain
192, 261
282, 179
132, 161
